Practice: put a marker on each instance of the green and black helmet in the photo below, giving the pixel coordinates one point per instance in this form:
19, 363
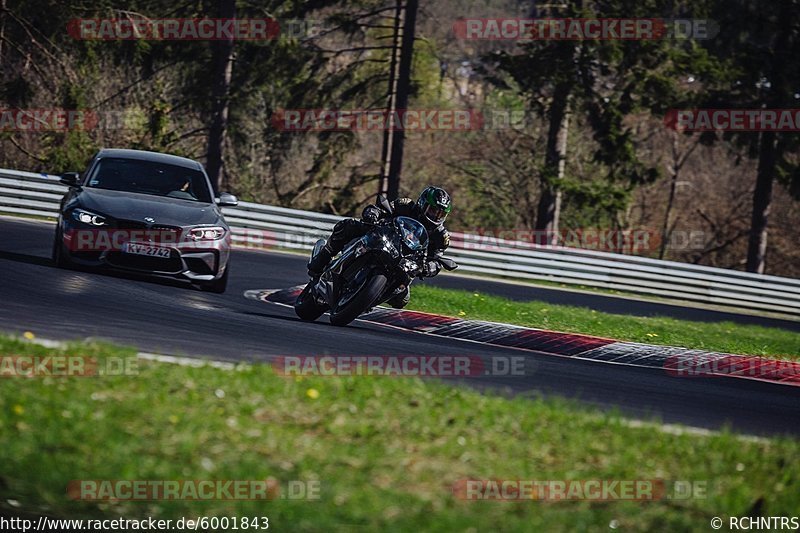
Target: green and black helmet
435, 204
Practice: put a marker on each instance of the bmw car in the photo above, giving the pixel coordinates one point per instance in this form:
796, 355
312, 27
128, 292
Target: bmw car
145, 212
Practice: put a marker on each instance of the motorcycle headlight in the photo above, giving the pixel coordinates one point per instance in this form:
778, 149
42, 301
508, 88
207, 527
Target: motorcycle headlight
382, 241
213, 233
87, 217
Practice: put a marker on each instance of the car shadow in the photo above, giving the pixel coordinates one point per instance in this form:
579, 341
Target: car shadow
134, 276
26, 258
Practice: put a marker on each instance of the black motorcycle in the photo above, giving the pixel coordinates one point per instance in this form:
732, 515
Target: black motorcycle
370, 270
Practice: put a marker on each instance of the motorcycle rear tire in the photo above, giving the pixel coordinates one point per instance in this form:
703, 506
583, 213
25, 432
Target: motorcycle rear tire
364, 299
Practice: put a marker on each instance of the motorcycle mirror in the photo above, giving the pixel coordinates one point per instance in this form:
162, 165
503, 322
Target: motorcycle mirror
384, 203
447, 263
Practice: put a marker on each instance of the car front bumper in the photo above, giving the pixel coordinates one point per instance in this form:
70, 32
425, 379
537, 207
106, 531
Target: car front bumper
195, 261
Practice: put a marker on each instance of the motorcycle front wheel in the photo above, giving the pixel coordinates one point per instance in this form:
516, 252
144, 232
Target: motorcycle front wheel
363, 297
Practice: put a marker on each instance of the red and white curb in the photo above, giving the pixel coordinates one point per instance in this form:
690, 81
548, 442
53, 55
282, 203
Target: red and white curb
678, 362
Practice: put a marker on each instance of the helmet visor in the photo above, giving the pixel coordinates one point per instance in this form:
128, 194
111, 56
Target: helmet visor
434, 213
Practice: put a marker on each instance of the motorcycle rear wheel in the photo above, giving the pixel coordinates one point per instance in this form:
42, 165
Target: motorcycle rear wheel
366, 296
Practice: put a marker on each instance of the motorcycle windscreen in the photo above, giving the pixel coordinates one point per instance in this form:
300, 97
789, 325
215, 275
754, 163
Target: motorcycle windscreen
415, 237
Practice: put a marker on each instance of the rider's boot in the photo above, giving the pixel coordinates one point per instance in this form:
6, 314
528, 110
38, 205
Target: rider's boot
400, 299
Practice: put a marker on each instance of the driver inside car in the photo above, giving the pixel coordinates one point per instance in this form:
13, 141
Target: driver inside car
431, 209
181, 189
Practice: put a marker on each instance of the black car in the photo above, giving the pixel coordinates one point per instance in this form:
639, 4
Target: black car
145, 212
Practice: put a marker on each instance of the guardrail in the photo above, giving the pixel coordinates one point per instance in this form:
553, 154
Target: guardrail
26, 193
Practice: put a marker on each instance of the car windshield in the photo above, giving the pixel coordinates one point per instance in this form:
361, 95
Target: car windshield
150, 177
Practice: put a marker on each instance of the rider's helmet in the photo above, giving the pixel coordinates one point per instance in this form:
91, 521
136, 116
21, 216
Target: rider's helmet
434, 204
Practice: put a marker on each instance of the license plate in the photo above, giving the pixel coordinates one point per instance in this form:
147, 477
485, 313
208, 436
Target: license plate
142, 249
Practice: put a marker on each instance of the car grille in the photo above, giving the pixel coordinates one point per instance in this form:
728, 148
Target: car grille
137, 225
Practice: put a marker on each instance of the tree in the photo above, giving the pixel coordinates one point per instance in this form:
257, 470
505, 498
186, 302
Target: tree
759, 43
602, 82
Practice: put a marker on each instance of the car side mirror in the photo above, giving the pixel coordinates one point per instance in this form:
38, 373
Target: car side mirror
70, 178
227, 200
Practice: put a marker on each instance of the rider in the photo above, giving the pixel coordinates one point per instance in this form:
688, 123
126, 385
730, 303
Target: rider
431, 209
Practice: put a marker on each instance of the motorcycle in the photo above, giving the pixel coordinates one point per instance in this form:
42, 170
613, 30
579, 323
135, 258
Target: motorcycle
369, 271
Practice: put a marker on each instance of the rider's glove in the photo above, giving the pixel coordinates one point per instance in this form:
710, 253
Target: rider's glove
371, 214
431, 268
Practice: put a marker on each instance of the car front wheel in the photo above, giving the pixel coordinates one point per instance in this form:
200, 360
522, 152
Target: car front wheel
60, 258
217, 286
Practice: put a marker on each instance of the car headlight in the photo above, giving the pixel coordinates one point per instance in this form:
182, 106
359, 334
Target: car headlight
87, 217
214, 233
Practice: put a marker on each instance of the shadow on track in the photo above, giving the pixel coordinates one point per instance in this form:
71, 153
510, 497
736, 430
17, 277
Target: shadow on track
134, 276
25, 258
322, 321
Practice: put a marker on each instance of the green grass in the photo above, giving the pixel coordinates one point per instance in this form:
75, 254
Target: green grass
726, 337
386, 451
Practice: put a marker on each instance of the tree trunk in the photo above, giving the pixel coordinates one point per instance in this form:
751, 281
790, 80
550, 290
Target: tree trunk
673, 187
762, 201
401, 98
222, 70
549, 208
771, 148
678, 160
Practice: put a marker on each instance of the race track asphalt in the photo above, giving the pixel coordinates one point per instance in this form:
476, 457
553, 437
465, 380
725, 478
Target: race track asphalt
168, 317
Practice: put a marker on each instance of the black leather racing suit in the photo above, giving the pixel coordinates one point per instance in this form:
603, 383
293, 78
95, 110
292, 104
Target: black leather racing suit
351, 228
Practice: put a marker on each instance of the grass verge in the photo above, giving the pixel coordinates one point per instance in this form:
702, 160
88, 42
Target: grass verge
726, 337
385, 451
